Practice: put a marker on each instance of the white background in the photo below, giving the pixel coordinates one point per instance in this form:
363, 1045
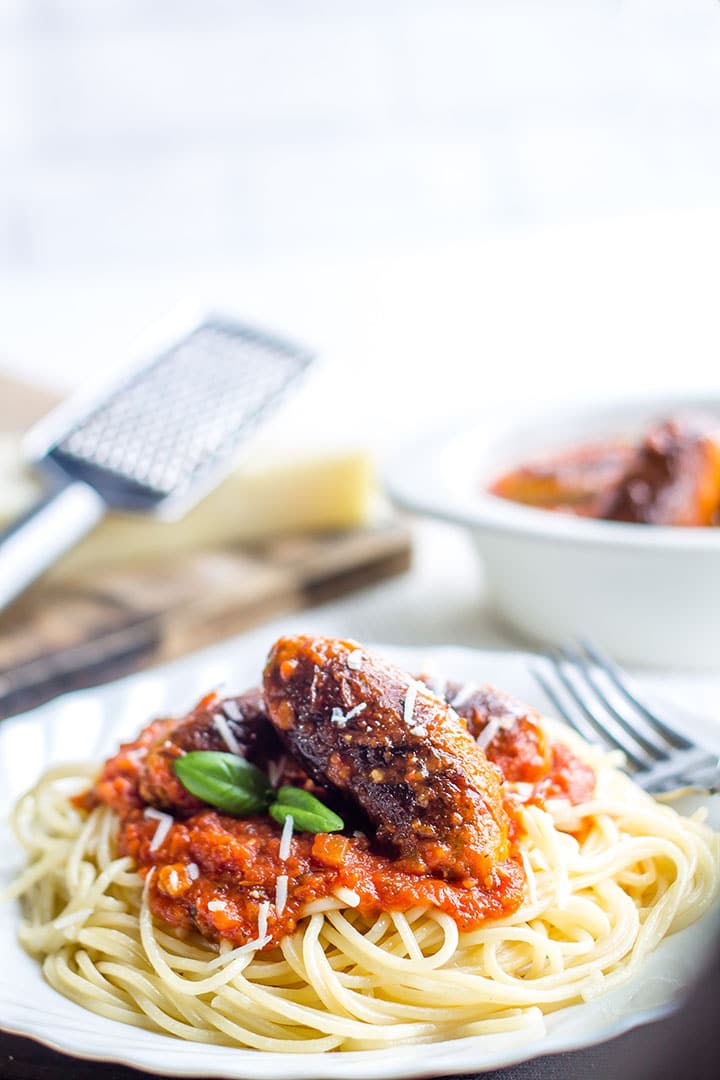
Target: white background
459, 204
521, 190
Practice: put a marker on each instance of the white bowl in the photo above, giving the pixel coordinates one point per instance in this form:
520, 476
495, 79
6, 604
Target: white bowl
650, 595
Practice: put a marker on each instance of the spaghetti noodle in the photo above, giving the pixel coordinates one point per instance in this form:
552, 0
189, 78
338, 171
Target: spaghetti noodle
605, 880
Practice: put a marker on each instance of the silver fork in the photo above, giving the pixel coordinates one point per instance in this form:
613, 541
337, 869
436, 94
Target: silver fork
592, 694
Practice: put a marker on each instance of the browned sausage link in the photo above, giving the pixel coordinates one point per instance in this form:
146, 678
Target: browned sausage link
248, 725
515, 742
674, 477
413, 770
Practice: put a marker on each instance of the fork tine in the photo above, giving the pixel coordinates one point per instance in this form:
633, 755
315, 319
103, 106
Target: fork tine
618, 679
656, 750
571, 684
581, 719
590, 734
556, 658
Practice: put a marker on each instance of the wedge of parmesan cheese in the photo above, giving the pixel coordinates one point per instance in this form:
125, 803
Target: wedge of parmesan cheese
301, 495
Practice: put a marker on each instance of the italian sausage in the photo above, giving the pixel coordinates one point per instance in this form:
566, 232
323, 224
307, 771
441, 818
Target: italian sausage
368, 731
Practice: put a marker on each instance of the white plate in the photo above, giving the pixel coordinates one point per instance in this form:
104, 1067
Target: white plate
89, 724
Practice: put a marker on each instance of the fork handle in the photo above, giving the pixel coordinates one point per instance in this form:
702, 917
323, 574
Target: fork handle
43, 533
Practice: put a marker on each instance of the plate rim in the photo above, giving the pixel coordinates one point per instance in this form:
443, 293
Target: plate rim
472, 1054
502, 1059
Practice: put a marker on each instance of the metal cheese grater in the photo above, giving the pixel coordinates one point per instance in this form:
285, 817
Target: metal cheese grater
155, 442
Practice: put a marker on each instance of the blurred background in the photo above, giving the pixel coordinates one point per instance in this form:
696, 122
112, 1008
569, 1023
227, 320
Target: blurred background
460, 206
181, 135
404, 184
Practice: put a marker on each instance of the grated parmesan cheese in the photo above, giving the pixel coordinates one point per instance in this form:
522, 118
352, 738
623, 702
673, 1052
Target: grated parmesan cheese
464, 694
354, 660
165, 823
228, 955
263, 920
232, 710
337, 716
275, 769
286, 837
216, 905
281, 892
193, 871
488, 733
409, 706
223, 729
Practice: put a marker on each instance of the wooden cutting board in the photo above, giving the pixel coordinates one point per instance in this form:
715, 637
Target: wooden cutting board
100, 624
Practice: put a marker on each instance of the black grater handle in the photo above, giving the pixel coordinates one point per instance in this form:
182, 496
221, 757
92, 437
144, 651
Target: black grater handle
68, 511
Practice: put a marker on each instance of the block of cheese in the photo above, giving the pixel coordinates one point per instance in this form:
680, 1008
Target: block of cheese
302, 495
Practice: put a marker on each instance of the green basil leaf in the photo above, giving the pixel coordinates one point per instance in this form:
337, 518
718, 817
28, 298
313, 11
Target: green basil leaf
226, 781
295, 796
307, 812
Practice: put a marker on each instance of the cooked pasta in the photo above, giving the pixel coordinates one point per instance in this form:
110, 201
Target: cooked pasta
605, 880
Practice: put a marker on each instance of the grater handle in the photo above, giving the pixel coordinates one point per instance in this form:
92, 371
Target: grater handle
37, 539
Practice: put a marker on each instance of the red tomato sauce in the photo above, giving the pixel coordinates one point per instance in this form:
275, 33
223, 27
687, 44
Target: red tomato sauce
521, 752
568, 778
239, 863
213, 872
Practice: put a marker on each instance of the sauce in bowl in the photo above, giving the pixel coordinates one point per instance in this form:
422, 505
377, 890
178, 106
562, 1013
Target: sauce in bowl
670, 477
